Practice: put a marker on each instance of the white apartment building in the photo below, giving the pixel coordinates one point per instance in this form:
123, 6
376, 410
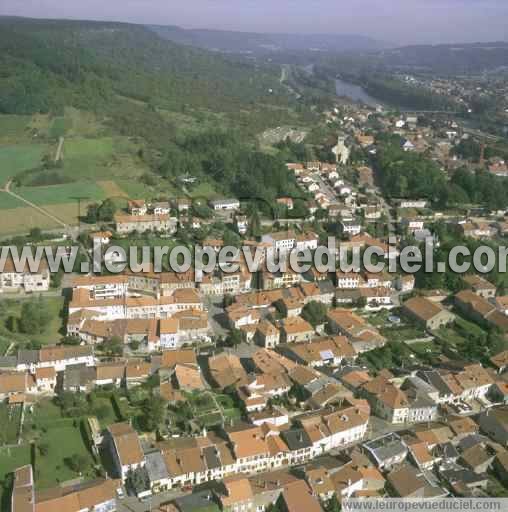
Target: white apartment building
12, 281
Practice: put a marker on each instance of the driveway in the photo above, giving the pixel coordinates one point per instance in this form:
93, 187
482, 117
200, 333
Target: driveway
216, 315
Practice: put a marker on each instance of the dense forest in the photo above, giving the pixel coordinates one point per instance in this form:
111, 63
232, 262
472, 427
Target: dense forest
132, 75
412, 175
232, 165
407, 174
395, 92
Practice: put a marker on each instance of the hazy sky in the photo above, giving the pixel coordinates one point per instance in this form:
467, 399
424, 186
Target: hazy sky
400, 21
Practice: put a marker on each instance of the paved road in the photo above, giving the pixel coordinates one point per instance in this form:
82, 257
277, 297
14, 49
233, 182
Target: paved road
152, 504
21, 295
377, 428
215, 310
284, 76
58, 155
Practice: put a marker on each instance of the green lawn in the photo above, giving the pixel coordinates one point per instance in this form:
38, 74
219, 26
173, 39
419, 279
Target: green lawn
13, 126
45, 413
64, 441
450, 336
10, 311
111, 417
202, 403
60, 194
19, 158
378, 319
10, 417
426, 351
461, 330
5, 341
87, 157
7, 202
206, 412
402, 334
136, 189
10, 460
59, 127
204, 190
211, 420
99, 158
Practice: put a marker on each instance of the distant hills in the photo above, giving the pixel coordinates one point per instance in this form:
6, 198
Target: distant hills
442, 58
448, 58
257, 43
132, 75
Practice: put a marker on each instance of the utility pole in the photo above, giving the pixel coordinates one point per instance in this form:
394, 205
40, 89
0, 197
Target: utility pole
79, 199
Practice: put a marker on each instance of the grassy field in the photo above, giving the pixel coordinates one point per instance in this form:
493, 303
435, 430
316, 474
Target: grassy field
5, 342
11, 309
426, 349
457, 333
64, 441
112, 189
206, 411
13, 128
402, 334
19, 158
74, 122
199, 121
87, 157
11, 459
136, 189
60, 127
105, 403
59, 194
67, 212
21, 220
10, 417
204, 190
8, 202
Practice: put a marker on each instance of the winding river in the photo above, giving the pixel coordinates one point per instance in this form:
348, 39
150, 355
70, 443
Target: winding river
354, 93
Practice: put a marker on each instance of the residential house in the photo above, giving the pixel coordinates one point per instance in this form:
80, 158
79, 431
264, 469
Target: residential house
500, 361
126, 224
298, 496
280, 242
102, 287
137, 372
477, 230
236, 495
125, 447
102, 237
225, 204
336, 428
286, 202
407, 482
137, 207
93, 496
327, 352
494, 423
160, 208
387, 451
320, 481
14, 278
481, 310
480, 286
188, 378
348, 281
362, 335
295, 330
227, 370
428, 314
267, 335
